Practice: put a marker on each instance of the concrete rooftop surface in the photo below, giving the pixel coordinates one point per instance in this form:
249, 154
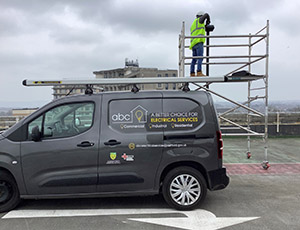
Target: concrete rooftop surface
254, 199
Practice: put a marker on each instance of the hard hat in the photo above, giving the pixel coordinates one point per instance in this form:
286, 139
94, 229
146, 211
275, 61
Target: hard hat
200, 13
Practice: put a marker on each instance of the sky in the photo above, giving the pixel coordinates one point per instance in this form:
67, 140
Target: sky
72, 38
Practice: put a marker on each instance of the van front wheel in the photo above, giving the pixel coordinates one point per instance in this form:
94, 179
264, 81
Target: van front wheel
184, 188
9, 192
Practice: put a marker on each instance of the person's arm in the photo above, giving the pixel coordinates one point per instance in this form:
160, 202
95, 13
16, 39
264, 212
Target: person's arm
205, 17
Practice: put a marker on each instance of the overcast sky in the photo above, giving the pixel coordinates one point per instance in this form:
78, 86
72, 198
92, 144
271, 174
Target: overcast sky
72, 38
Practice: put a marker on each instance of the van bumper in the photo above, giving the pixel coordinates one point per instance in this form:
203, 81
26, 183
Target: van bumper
217, 179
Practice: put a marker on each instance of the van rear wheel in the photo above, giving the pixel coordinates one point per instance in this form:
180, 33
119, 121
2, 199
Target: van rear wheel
9, 192
184, 188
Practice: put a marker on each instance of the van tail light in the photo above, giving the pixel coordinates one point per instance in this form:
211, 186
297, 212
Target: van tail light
220, 145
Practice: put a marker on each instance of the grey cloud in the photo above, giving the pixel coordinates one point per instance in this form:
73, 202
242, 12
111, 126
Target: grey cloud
229, 16
142, 17
288, 18
115, 29
35, 7
76, 36
147, 17
15, 20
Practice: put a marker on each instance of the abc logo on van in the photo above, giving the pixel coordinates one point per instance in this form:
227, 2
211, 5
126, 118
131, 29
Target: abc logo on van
136, 115
119, 117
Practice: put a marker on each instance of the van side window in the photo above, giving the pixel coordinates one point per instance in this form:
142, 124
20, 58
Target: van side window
65, 121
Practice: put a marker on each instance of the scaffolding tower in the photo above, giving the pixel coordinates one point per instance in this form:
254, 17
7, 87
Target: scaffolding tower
254, 92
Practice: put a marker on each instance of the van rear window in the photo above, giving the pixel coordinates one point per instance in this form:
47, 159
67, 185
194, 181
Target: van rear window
181, 114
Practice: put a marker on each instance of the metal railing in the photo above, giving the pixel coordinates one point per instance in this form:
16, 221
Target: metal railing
7, 121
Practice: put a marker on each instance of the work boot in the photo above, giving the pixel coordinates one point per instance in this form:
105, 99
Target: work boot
193, 74
200, 74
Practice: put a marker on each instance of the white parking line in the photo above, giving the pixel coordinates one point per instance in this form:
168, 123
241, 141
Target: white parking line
81, 212
197, 219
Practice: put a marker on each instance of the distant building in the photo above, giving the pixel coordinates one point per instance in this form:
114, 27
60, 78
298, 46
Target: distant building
64, 90
137, 72
23, 112
131, 70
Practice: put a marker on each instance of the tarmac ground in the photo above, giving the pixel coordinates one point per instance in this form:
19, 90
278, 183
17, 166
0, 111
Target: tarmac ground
255, 199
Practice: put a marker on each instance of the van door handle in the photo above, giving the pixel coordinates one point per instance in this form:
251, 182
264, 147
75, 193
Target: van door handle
112, 142
85, 144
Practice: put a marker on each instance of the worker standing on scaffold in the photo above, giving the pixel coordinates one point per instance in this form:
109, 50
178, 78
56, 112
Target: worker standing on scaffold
198, 29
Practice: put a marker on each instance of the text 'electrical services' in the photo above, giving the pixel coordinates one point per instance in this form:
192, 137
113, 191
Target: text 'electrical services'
178, 119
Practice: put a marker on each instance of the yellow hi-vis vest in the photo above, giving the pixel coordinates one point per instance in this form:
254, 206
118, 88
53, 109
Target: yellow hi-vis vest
197, 29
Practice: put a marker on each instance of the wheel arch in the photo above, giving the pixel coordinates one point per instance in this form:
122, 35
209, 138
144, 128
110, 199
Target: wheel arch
10, 193
3, 169
191, 164
17, 177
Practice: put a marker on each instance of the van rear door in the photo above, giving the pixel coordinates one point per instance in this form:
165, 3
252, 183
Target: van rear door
190, 130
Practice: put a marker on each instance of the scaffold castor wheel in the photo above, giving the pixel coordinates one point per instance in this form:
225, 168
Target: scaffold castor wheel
265, 165
248, 155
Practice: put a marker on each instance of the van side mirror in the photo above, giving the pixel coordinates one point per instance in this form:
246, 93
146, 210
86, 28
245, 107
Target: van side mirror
36, 134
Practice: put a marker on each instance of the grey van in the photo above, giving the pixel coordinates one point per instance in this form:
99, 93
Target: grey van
115, 144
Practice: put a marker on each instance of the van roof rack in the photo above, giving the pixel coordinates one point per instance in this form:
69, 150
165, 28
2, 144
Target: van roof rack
134, 81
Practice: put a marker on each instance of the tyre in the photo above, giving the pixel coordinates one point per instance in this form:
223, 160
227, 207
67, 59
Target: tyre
9, 192
184, 188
